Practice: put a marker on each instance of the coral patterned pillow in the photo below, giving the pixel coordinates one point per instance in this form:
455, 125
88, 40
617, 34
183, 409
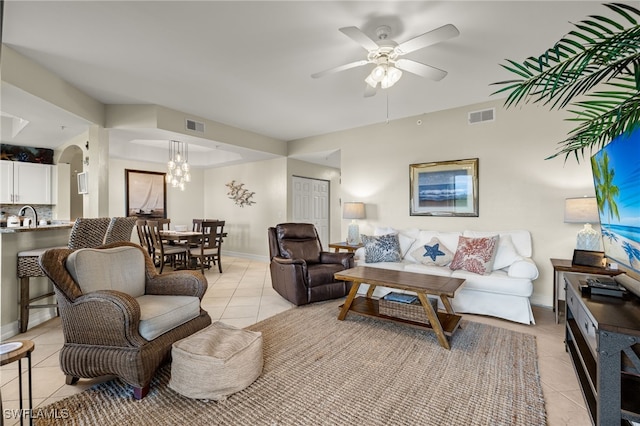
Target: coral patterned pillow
382, 248
475, 254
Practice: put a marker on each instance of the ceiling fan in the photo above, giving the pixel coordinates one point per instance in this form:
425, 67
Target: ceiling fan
386, 55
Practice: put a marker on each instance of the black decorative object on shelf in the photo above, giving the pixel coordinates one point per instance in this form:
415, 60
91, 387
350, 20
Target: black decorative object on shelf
26, 154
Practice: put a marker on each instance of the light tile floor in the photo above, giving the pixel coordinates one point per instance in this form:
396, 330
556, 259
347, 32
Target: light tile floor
242, 296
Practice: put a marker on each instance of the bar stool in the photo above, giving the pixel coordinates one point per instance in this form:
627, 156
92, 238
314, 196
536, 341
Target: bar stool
15, 352
28, 267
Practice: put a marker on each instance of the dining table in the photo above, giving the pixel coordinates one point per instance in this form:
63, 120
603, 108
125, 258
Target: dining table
192, 238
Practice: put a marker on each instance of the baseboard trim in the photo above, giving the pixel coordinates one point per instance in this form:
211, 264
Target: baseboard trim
35, 318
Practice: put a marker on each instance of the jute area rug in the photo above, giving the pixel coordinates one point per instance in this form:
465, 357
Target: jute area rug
361, 371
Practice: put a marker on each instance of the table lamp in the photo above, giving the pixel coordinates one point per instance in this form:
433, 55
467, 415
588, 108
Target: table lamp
583, 210
353, 211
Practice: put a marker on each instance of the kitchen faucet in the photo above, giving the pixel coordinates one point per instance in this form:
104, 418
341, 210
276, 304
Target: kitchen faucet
35, 215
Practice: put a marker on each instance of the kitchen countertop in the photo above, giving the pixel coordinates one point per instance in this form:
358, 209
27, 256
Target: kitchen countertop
55, 225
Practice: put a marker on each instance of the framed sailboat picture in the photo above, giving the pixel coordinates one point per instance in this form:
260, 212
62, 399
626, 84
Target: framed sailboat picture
146, 194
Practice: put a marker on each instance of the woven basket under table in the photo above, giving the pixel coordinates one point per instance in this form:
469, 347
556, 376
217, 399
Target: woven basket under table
409, 311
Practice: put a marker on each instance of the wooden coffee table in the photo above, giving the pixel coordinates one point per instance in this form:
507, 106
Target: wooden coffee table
444, 324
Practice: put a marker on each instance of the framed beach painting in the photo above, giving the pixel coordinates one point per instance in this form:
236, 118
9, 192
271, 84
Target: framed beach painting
146, 194
444, 188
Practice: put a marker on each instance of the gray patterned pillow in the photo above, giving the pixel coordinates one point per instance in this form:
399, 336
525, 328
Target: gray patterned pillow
382, 248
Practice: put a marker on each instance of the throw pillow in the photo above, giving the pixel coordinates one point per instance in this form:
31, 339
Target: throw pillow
475, 254
406, 241
382, 248
433, 253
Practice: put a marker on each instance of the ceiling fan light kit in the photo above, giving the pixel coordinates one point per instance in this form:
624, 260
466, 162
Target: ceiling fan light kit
385, 54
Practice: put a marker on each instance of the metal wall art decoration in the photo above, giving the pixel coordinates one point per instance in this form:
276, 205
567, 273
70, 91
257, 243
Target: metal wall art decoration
444, 188
237, 193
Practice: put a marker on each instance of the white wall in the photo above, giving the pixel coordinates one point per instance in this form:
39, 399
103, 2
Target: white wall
518, 188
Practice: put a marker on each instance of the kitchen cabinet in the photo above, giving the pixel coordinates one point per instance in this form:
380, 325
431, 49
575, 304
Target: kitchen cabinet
25, 183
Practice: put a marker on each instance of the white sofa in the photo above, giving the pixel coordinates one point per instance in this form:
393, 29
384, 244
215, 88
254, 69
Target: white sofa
502, 293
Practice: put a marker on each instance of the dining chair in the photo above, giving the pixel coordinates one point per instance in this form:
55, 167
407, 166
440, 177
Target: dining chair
197, 224
165, 224
143, 235
161, 252
210, 245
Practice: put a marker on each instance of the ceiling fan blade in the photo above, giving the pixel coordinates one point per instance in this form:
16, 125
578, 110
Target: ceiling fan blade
355, 34
369, 91
340, 68
443, 33
422, 70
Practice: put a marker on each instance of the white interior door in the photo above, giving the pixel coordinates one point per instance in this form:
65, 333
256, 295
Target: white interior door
311, 205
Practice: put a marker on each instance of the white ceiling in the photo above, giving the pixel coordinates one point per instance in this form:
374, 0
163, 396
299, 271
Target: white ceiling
248, 64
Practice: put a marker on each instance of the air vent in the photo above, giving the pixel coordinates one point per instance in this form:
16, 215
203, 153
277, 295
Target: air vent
482, 116
196, 126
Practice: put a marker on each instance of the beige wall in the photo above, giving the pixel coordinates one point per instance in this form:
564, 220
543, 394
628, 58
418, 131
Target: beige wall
247, 226
518, 188
182, 206
314, 171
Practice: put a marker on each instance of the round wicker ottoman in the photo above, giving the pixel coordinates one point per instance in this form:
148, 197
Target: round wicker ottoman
216, 362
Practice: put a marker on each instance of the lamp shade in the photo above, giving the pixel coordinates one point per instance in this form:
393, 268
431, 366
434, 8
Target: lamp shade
581, 210
353, 210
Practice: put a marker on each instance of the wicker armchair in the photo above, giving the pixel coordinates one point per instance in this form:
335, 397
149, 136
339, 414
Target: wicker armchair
112, 325
120, 229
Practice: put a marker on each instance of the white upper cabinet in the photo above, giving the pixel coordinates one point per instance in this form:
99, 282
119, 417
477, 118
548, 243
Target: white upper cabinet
25, 183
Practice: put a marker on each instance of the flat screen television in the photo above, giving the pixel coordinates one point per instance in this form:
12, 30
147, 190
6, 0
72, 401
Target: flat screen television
616, 177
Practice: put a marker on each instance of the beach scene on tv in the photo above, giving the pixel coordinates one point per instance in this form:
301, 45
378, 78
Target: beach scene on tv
616, 177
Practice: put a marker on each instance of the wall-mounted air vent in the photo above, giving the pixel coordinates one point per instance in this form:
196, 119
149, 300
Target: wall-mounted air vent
476, 117
195, 126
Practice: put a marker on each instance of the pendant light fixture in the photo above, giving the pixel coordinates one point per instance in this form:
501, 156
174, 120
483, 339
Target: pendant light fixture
178, 165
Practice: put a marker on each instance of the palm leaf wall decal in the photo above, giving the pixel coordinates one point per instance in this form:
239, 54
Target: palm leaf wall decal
601, 52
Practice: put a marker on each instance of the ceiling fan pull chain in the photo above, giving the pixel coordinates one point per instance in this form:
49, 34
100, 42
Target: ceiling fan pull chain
387, 107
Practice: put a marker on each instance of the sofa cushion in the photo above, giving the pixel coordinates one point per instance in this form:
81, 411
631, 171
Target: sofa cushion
496, 282
521, 239
383, 248
419, 268
119, 268
159, 313
433, 253
506, 253
475, 254
395, 266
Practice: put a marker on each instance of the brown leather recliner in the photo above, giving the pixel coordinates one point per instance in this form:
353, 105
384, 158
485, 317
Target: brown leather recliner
300, 271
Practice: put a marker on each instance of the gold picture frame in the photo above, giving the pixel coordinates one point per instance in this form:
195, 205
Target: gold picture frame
444, 188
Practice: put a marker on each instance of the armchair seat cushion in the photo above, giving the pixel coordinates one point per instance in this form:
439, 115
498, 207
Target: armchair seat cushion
159, 313
322, 273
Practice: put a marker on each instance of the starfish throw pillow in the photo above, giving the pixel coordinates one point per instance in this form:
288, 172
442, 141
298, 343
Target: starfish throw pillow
433, 253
